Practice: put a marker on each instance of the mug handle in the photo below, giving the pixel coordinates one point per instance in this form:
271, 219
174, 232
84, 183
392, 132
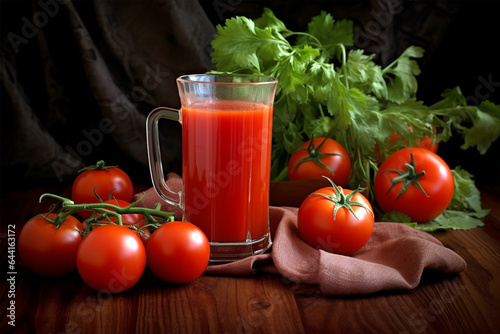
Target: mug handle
154, 154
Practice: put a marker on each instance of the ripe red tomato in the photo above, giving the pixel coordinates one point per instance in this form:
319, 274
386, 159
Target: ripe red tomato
341, 232
111, 258
425, 142
429, 171
103, 180
318, 158
178, 252
49, 251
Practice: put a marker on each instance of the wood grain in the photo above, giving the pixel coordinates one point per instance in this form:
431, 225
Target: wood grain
464, 303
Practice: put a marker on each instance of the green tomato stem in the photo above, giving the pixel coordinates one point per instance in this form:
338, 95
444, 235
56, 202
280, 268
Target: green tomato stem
60, 198
100, 165
104, 210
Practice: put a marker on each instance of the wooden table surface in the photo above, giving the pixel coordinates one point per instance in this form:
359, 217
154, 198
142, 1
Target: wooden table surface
465, 303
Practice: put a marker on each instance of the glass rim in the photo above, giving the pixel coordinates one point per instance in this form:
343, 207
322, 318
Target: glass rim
189, 78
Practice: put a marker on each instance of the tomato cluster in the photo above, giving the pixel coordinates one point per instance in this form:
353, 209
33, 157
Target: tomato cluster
111, 248
413, 181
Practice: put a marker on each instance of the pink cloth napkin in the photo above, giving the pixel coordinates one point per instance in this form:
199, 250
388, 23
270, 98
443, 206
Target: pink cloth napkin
394, 258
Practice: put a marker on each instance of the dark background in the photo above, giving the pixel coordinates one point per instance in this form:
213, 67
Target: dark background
56, 98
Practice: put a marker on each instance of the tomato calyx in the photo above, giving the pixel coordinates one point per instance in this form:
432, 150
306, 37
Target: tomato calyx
344, 201
409, 177
57, 221
100, 165
315, 155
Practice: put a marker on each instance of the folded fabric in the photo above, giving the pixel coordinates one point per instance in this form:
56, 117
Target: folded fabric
394, 258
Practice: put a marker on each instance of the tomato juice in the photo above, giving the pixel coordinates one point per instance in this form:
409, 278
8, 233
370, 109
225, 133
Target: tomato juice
226, 168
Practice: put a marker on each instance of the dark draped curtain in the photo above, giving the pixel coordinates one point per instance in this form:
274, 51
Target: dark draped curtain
78, 78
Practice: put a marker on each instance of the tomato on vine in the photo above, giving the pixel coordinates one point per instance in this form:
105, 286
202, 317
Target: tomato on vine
111, 258
49, 246
318, 158
416, 182
336, 220
178, 252
101, 180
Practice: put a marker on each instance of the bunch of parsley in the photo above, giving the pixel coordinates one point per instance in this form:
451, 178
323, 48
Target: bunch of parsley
326, 87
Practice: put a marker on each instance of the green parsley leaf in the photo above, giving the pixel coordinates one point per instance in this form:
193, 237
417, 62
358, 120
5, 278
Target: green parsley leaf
241, 46
484, 131
479, 126
365, 75
290, 71
396, 217
410, 119
466, 197
269, 20
400, 75
322, 78
326, 33
451, 220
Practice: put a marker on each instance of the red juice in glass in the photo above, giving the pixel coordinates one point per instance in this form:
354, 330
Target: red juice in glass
226, 168
226, 155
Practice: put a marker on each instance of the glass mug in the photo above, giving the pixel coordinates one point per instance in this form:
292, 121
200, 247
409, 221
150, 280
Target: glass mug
226, 160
